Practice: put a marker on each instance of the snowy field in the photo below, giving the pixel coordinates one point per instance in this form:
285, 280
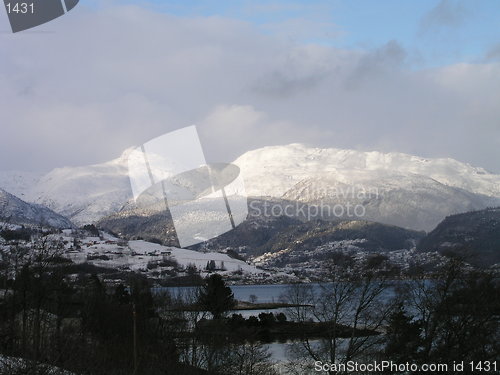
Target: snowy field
111, 252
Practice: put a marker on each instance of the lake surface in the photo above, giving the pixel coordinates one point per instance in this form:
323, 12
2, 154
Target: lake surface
268, 294
264, 293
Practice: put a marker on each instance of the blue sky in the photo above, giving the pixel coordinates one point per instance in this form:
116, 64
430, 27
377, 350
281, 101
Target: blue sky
433, 32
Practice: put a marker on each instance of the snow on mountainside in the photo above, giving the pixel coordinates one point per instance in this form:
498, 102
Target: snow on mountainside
408, 186
393, 188
84, 194
405, 200
14, 210
285, 166
19, 183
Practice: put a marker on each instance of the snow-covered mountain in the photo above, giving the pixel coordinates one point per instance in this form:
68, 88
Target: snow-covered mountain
83, 194
393, 188
15, 211
285, 166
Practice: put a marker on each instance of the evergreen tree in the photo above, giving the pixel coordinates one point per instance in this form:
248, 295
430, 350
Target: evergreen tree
215, 296
403, 336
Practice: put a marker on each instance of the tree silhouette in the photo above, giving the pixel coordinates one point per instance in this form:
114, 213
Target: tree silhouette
215, 296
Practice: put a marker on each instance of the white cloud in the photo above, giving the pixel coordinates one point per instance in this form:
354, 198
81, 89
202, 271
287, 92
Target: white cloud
102, 80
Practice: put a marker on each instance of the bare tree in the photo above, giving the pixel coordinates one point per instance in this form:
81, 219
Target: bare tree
456, 315
353, 312
249, 359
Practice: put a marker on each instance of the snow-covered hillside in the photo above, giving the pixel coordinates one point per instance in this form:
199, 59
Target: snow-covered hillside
83, 194
19, 183
411, 191
189, 257
406, 200
146, 257
16, 211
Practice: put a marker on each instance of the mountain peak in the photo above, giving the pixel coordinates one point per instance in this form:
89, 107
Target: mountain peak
289, 164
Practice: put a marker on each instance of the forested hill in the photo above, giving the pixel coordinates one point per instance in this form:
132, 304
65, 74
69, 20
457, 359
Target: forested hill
472, 235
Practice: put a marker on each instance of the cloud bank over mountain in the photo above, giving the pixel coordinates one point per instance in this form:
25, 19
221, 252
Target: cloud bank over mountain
83, 88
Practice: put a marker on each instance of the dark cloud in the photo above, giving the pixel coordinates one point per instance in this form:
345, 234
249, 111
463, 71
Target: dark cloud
299, 70
493, 54
446, 14
377, 64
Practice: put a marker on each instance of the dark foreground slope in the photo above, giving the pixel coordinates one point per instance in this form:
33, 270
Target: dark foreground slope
474, 236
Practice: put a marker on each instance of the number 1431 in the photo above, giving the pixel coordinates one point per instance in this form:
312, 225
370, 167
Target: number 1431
20, 8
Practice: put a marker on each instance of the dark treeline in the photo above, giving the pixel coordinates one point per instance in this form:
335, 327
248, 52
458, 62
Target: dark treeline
453, 317
77, 323
56, 322
52, 322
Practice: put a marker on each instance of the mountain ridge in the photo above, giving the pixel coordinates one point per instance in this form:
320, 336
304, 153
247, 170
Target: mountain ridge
473, 236
14, 210
408, 186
